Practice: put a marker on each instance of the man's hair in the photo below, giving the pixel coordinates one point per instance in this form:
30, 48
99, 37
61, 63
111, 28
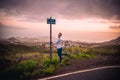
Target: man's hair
60, 33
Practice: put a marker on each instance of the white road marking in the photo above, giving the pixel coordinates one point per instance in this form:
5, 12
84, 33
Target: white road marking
78, 72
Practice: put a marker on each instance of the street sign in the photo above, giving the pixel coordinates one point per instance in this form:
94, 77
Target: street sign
51, 21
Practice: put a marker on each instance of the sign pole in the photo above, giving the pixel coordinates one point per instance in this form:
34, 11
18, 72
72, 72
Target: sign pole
51, 21
50, 41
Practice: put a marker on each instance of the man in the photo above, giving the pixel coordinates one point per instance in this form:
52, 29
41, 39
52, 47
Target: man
59, 47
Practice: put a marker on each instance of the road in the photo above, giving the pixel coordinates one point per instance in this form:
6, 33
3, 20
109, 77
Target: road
103, 73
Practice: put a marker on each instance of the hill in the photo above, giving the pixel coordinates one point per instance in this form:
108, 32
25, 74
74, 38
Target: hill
112, 42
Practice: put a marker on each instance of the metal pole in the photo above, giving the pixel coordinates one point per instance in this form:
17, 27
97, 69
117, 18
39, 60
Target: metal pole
50, 41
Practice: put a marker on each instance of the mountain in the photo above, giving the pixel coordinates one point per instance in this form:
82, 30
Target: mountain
27, 40
47, 38
112, 42
12, 40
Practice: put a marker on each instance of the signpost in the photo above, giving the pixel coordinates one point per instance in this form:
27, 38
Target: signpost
51, 21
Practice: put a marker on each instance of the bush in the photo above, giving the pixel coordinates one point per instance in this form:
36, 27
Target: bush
106, 50
81, 56
48, 69
87, 56
22, 70
47, 66
27, 65
75, 50
73, 56
66, 61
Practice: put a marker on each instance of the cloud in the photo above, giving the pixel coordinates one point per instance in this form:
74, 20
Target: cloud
68, 9
5, 27
34, 10
92, 8
10, 30
115, 27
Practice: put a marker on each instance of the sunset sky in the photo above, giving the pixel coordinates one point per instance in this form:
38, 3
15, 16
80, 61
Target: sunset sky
78, 20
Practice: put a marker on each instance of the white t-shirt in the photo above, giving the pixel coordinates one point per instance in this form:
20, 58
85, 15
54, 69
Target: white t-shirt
58, 43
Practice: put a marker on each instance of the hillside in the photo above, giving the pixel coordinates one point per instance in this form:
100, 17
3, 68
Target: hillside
112, 42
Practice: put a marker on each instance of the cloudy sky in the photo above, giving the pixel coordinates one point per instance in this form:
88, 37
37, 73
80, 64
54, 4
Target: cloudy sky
78, 20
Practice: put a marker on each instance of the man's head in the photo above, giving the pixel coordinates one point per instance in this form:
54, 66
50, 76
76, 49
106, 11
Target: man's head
59, 35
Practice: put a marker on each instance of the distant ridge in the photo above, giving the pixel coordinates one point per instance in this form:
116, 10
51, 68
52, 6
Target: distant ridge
28, 40
12, 39
113, 42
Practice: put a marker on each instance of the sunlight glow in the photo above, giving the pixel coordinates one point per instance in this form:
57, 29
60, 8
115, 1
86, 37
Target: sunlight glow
83, 25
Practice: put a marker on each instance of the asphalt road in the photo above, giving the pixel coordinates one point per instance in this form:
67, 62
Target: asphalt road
98, 74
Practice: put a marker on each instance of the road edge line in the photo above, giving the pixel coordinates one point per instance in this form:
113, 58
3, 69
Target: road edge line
80, 71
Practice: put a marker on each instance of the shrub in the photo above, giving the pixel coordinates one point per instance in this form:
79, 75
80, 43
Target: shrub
66, 61
47, 66
27, 65
73, 56
87, 56
22, 70
81, 56
48, 69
